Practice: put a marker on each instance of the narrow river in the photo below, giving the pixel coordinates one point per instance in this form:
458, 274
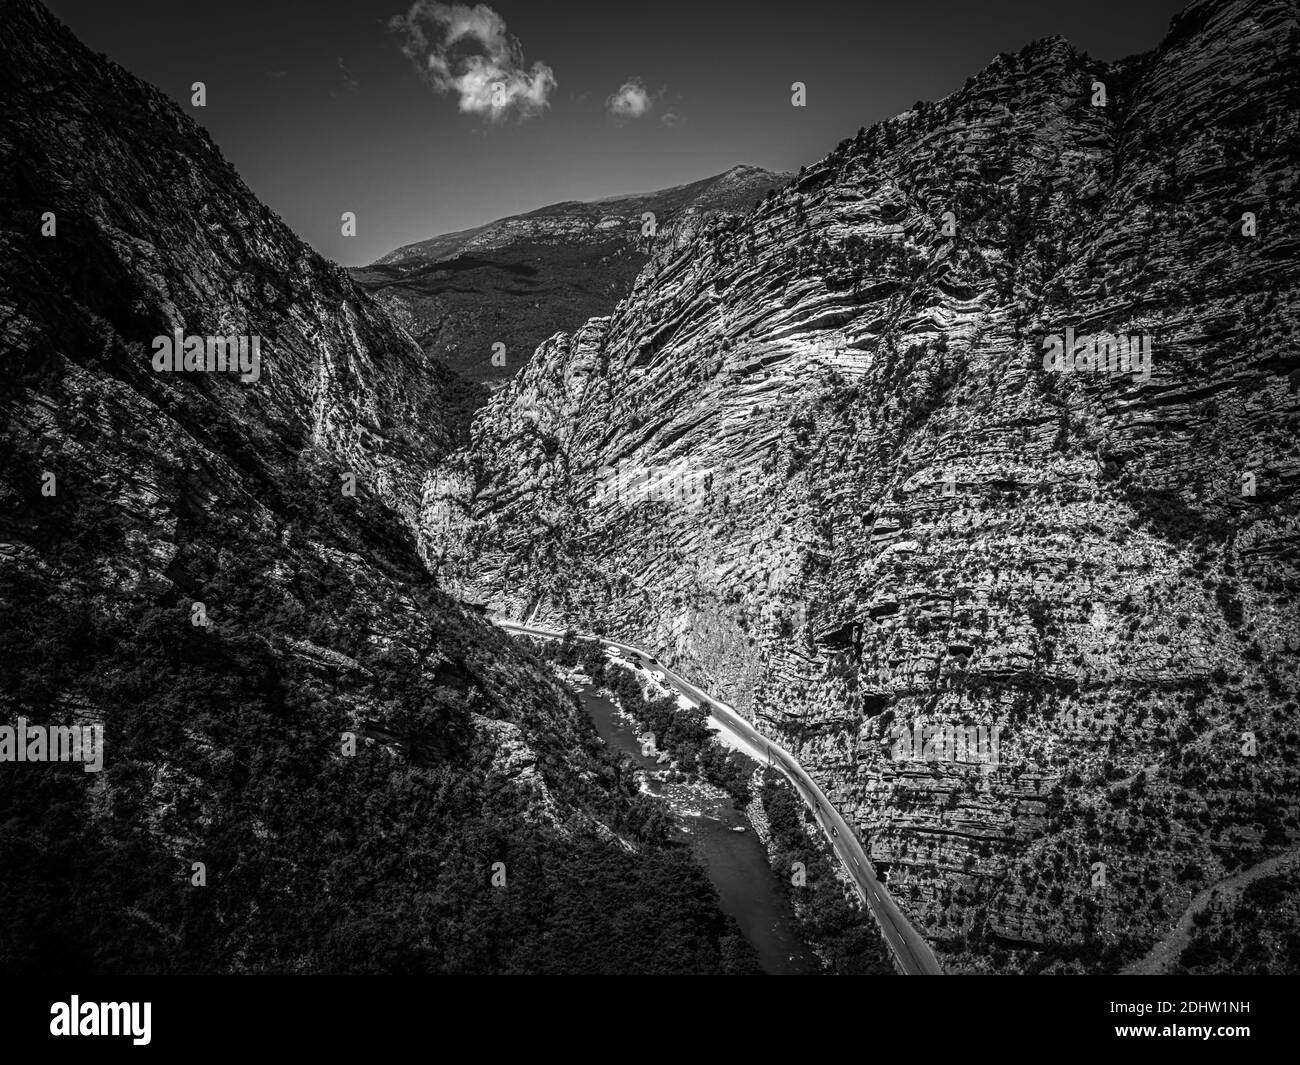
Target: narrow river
736, 862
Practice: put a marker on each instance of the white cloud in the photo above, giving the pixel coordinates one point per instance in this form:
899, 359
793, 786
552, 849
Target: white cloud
631, 101
467, 51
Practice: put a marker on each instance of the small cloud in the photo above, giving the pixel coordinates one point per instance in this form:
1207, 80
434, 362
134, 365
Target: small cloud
466, 51
632, 100
671, 118
277, 74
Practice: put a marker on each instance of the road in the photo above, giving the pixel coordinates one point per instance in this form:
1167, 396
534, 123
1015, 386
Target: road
912, 954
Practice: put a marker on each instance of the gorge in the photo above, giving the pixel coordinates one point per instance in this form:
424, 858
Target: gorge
797, 440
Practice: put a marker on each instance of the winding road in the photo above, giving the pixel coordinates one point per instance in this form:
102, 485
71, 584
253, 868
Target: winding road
912, 954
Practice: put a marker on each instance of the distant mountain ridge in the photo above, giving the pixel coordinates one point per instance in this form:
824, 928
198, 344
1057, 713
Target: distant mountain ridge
580, 221
517, 280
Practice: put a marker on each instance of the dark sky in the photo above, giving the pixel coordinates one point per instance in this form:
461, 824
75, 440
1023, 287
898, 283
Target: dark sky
317, 107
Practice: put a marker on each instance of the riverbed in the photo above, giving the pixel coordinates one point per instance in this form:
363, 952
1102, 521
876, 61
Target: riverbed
723, 841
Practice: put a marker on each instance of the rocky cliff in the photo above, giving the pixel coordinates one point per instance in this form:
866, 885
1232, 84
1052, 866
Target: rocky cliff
313, 759
517, 280
987, 419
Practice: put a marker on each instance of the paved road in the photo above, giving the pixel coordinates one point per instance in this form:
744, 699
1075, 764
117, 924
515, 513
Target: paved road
912, 954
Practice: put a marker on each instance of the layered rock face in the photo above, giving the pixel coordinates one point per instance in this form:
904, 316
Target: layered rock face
312, 757
823, 458
517, 280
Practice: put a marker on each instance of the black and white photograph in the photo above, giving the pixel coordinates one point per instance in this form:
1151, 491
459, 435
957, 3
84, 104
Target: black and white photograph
686, 489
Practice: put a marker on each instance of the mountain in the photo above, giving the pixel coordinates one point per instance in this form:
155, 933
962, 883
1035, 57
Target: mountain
313, 758
520, 279
823, 459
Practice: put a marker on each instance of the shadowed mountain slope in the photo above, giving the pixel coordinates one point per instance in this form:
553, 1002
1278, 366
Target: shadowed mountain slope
313, 758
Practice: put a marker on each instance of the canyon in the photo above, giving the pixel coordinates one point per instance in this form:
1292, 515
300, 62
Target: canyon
797, 437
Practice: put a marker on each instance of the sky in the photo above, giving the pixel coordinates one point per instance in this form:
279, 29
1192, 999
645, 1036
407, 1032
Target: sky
438, 117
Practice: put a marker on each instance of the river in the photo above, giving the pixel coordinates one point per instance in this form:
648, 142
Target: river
735, 862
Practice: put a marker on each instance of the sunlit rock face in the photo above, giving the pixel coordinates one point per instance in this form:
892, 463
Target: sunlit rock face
816, 460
